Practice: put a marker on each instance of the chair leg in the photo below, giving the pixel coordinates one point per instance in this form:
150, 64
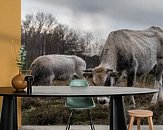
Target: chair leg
69, 120
150, 122
90, 120
138, 123
131, 123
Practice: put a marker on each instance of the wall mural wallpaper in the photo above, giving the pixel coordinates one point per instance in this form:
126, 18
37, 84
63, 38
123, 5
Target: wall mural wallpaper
64, 37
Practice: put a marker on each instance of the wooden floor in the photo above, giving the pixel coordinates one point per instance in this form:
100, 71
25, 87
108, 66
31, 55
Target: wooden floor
82, 127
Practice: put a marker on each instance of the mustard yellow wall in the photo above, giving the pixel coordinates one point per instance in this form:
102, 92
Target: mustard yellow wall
10, 29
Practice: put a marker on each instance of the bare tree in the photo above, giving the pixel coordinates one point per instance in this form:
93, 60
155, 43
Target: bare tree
42, 35
34, 29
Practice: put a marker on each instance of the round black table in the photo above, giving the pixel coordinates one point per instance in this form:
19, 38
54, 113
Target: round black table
117, 113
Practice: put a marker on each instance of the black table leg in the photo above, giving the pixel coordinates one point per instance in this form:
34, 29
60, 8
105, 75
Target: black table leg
117, 114
9, 113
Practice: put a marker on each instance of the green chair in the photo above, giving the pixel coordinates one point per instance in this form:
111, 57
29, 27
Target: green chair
79, 103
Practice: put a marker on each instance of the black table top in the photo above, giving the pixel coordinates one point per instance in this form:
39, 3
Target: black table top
65, 91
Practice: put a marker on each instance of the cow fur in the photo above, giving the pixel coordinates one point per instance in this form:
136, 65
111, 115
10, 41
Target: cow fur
48, 68
132, 53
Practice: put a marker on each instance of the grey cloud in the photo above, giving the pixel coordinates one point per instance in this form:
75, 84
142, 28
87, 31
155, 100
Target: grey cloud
134, 11
137, 12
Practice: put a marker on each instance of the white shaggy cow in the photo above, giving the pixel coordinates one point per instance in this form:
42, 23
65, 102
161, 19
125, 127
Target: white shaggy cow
47, 68
132, 53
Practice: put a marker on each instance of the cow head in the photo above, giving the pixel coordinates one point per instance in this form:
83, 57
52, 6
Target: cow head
100, 75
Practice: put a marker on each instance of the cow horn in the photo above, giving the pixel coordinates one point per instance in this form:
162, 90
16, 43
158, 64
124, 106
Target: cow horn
114, 74
109, 70
87, 73
87, 70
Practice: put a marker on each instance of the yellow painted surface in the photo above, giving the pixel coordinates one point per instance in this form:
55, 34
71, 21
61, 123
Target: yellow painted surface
10, 29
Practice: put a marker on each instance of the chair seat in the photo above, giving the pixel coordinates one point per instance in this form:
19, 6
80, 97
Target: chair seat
140, 113
80, 103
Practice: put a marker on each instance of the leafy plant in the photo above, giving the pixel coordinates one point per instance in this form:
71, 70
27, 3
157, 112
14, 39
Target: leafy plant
20, 60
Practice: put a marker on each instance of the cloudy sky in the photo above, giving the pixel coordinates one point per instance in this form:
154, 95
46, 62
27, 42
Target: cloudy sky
100, 16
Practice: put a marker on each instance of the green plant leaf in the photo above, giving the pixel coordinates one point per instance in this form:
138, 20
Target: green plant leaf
20, 61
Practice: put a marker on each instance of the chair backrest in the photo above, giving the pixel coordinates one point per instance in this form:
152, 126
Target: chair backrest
79, 102
78, 83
